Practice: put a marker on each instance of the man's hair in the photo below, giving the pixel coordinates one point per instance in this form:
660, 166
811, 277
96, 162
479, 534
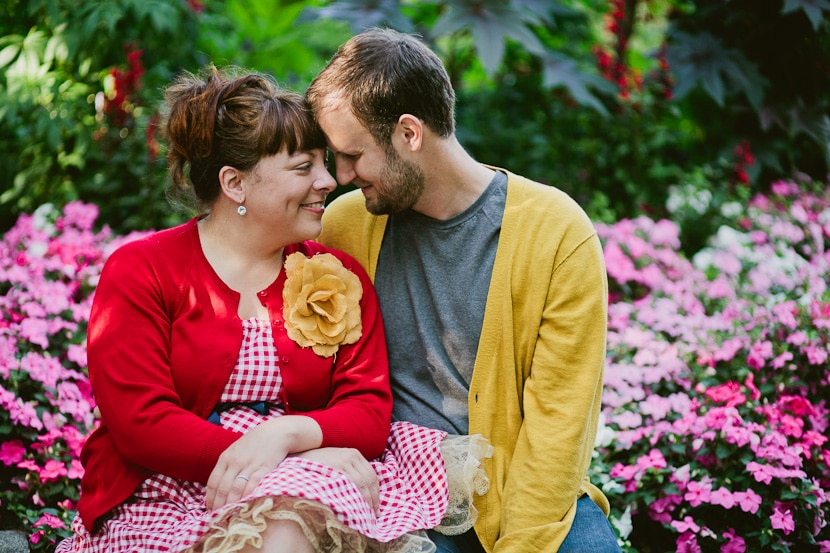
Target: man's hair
381, 74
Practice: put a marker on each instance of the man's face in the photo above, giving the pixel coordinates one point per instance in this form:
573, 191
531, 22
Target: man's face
389, 183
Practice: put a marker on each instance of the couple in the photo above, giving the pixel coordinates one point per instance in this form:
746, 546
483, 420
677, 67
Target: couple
240, 367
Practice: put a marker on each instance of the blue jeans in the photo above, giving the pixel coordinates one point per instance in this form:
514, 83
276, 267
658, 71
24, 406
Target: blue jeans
591, 533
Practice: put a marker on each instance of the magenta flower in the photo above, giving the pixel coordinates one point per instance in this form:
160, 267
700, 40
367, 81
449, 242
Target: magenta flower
728, 393
782, 519
49, 520
734, 543
12, 452
686, 525
687, 543
52, 471
697, 493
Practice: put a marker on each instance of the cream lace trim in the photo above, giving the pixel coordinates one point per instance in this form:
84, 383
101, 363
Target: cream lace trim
246, 523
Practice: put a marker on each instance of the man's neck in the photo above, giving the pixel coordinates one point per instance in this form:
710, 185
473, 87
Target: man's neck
454, 181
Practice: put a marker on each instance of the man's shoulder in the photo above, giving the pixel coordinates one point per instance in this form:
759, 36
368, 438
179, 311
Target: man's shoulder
526, 198
350, 204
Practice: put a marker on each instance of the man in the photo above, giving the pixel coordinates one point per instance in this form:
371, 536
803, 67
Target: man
492, 287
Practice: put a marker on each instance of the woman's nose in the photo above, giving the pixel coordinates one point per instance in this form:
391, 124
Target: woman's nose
325, 181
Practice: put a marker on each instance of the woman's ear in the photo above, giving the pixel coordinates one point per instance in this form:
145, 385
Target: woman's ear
410, 132
230, 182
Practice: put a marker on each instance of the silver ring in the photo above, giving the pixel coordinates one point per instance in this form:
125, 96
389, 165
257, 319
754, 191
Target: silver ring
243, 477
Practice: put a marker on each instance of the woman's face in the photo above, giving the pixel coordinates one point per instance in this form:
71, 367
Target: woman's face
285, 194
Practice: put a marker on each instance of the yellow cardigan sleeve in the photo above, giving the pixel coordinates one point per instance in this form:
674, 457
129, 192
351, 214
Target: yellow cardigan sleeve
536, 390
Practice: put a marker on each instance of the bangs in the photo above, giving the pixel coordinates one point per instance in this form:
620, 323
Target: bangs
288, 124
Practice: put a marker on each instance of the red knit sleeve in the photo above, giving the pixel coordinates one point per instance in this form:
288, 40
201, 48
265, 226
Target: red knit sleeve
131, 329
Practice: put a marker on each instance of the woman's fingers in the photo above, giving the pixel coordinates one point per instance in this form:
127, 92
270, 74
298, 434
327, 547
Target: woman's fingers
355, 466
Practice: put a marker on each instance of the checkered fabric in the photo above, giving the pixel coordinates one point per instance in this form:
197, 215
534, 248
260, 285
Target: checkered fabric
169, 515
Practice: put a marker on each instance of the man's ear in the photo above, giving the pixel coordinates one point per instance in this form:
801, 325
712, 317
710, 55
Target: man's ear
230, 182
410, 132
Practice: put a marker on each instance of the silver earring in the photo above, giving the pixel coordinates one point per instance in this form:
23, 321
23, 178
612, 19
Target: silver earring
242, 210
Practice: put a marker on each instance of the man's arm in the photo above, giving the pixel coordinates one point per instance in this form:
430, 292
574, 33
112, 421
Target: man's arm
561, 403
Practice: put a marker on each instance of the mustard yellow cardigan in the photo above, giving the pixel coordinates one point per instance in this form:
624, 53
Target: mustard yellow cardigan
537, 382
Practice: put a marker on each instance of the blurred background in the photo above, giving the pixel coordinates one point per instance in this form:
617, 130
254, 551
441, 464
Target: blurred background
668, 108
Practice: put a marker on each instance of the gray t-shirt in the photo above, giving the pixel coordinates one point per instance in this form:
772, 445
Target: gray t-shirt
432, 280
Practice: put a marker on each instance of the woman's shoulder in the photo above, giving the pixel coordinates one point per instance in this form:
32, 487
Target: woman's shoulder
171, 246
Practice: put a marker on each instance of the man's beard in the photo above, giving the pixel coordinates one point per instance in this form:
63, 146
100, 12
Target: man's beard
403, 184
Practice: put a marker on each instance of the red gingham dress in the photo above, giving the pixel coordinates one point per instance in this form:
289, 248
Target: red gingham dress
169, 515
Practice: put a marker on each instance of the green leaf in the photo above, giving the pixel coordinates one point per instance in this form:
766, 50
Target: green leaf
702, 60
8, 54
491, 22
813, 9
560, 70
361, 14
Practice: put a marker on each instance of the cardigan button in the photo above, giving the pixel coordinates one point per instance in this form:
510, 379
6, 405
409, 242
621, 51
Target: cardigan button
284, 359
263, 294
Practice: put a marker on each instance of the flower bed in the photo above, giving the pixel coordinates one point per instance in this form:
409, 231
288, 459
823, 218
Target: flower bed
715, 408
49, 265
716, 399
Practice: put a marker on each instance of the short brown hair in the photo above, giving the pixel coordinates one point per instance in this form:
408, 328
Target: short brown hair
381, 74
231, 117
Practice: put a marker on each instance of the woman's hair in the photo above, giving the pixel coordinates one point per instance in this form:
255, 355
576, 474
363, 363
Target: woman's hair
233, 118
381, 74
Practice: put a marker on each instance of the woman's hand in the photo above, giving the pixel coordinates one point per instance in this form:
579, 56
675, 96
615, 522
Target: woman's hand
243, 465
354, 465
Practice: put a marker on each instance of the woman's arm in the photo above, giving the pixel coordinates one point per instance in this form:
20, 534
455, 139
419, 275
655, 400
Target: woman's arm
130, 337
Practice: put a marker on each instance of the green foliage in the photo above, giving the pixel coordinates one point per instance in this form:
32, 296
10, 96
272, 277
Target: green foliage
756, 71
79, 86
613, 101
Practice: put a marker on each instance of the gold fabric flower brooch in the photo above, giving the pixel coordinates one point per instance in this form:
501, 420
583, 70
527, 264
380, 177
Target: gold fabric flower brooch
321, 303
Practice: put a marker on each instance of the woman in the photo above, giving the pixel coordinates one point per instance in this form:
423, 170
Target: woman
240, 368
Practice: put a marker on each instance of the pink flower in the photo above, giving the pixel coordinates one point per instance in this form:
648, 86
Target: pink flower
781, 360
792, 426
722, 497
76, 470
761, 473
812, 438
734, 543
686, 525
687, 543
754, 392
52, 471
29, 464
782, 519
797, 405
729, 393
661, 509
697, 493
759, 353
80, 215
49, 520
12, 452
816, 354
748, 501
654, 460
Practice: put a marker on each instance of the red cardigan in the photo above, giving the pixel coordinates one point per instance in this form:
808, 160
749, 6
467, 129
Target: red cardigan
163, 338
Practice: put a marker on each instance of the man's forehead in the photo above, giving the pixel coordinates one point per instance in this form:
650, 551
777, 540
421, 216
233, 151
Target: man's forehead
342, 129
